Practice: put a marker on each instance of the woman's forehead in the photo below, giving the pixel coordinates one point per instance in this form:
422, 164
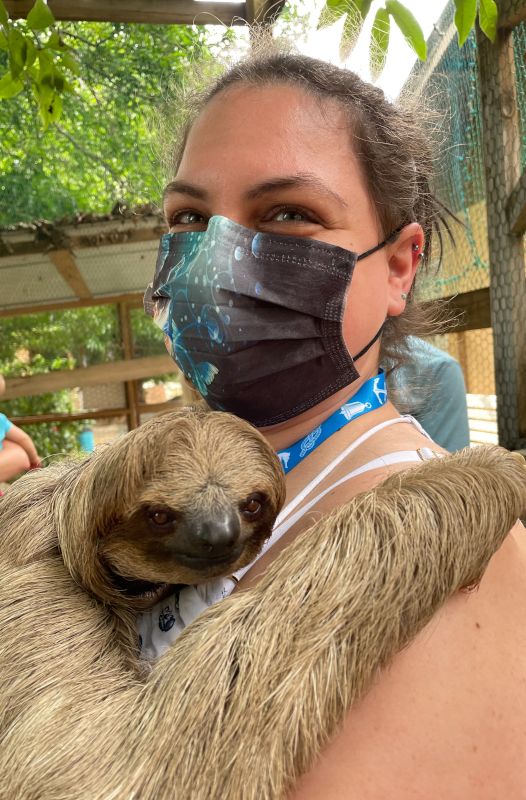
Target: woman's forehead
277, 129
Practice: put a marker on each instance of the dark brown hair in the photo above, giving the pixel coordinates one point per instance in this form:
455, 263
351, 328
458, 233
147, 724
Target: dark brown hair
394, 151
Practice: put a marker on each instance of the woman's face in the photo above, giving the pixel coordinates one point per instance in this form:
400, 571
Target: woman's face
276, 160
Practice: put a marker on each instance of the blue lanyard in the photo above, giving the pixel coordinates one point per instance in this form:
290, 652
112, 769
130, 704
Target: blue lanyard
370, 396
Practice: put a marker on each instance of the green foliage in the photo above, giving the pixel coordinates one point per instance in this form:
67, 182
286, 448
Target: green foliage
37, 343
38, 59
102, 149
488, 18
465, 15
355, 12
379, 42
59, 340
409, 27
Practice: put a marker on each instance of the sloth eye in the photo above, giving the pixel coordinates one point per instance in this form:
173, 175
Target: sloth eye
253, 506
161, 516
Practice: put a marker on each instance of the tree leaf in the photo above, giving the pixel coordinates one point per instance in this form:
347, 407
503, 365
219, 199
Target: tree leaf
70, 63
50, 110
17, 45
31, 52
3, 41
40, 17
9, 86
409, 27
351, 31
330, 14
55, 42
488, 18
379, 42
465, 15
4, 16
363, 7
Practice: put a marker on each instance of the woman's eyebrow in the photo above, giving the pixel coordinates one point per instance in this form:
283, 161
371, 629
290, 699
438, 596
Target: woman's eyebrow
182, 187
301, 180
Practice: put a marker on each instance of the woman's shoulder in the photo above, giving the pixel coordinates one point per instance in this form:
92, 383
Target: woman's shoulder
447, 718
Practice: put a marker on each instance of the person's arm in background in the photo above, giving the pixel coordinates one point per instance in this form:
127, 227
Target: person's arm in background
18, 436
437, 378
445, 415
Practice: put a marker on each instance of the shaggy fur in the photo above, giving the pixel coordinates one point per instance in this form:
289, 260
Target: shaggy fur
245, 699
128, 523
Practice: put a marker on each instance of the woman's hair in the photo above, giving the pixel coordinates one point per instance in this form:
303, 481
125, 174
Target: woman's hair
394, 151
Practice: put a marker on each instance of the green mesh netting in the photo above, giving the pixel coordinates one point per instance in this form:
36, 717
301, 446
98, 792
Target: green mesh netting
519, 49
451, 91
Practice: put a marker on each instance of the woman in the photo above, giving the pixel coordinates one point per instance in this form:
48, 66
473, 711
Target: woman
302, 171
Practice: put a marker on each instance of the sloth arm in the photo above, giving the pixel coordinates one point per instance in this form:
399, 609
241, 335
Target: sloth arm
447, 718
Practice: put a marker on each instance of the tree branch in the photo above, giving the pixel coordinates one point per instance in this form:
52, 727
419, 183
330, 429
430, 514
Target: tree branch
91, 155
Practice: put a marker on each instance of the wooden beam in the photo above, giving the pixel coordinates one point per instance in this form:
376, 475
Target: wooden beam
67, 268
113, 372
158, 12
263, 12
516, 206
134, 300
99, 413
511, 12
85, 234
130, 386
502, 166
473, 309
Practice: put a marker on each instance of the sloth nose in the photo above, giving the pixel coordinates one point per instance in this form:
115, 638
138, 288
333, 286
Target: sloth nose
215, 535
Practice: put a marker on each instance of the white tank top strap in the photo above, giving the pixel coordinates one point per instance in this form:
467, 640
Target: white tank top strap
287, 518
300, 497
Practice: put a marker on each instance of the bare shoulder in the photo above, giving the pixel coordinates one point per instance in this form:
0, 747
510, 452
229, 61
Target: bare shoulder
447, 718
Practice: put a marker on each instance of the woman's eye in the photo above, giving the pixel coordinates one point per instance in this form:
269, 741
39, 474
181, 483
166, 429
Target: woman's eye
291, 215
186, 218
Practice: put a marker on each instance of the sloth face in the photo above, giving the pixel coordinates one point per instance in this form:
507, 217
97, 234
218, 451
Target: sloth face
160, 545
184, 498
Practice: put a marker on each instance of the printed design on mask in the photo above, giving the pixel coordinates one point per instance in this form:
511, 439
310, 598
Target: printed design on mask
309, 441
351, 410
189, 275
238, 306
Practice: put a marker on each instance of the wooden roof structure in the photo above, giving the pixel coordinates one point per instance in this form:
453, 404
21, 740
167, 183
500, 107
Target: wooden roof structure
92, 259
78, 262
174, 12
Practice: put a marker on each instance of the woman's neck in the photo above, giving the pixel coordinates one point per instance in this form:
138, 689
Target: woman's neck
284, 435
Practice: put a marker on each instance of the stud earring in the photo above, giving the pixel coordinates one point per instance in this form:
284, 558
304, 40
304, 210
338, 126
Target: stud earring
416, 247
404, 296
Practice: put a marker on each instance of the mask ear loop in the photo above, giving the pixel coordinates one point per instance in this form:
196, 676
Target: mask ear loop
391, 238
369, 344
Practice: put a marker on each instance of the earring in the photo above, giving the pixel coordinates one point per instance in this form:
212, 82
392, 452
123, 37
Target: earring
415, 247
404, 296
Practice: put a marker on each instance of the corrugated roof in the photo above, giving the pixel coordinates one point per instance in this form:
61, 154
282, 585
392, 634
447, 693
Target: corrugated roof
77, 260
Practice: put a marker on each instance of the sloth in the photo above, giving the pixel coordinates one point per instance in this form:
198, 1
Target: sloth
252, 690
186, 497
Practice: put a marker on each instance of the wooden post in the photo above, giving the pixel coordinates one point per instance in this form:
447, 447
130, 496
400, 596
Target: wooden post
506, 250
132, 403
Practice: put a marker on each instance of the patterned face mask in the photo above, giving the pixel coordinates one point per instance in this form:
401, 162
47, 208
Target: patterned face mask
254, 320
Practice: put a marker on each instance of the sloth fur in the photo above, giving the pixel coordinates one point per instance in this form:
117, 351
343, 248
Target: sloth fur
138, 516
243, 702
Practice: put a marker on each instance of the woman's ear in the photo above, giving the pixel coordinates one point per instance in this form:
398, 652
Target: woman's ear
404, 257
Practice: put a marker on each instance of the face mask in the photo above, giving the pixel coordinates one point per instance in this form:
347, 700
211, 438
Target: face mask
254, 320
